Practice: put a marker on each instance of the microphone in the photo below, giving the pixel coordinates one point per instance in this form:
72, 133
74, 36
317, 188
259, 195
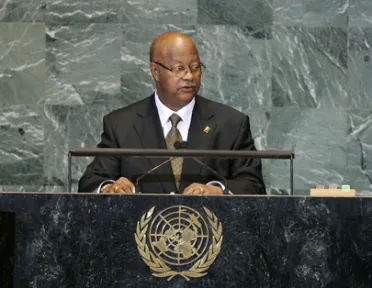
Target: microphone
180, 145
150, 171
183, 145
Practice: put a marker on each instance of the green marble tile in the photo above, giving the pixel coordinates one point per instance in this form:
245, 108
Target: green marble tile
238, 65
117, 11
360, 68
317, 137
243, 13
311, 13
360, 13
359, 149
83, 64
159, 12
83, 11
21, 188
309, 67
87, 134
260, 119
22, 63
68, 127
21, 145
22, 11
56, 144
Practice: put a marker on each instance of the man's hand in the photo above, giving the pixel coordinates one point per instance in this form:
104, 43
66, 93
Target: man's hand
201, 189
122, 186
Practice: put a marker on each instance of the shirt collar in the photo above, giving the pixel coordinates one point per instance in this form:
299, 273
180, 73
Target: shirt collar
164, 112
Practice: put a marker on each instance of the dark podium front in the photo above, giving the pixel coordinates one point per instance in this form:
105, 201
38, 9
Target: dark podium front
7, 242
92, 240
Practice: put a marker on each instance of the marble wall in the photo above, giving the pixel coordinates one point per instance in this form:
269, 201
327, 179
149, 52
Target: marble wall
300, 69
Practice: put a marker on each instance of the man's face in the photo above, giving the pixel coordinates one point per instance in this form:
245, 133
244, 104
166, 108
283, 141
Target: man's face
176, 91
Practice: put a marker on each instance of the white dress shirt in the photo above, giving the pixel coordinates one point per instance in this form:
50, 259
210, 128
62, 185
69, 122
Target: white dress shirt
185, 113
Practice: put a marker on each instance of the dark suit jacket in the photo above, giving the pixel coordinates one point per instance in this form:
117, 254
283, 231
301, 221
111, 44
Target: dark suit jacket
138, 126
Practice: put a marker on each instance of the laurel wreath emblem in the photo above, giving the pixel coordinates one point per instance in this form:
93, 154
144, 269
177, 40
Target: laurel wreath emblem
160, 268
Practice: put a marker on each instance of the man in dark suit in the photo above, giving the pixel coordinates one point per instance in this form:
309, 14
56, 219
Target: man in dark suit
175, 113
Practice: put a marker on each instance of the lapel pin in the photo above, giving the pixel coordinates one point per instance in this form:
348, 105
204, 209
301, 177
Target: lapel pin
207, 129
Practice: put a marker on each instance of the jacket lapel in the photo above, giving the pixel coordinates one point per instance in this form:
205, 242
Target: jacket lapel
150, 132
201, 133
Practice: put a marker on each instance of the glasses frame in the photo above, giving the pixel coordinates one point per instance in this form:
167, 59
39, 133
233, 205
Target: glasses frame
169, 69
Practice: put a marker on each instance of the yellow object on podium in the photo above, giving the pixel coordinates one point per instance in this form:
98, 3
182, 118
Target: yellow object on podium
324, 192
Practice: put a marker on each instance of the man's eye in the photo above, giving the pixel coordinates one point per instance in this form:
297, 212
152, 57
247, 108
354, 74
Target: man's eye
194, 67
179, 68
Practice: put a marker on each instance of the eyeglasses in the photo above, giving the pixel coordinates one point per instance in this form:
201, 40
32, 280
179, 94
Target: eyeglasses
181, 71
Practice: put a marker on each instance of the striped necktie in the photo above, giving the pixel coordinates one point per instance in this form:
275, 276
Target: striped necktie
173, 136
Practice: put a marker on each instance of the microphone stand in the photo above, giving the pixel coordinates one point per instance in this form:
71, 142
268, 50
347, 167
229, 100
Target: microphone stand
183, 145
136, 187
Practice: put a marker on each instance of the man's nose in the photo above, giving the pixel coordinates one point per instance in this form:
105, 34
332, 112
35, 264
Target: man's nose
188, 74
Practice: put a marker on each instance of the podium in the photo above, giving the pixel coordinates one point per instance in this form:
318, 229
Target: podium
7, 247
93, 240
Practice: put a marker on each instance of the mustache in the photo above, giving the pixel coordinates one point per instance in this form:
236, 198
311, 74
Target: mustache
188, 85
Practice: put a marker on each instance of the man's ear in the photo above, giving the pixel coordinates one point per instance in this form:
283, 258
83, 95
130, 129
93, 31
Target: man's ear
154, 71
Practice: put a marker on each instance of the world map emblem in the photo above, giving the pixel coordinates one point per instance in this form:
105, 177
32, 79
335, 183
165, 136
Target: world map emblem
179, 240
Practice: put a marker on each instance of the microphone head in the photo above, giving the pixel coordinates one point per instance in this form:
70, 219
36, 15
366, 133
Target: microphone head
177, 145
180, 145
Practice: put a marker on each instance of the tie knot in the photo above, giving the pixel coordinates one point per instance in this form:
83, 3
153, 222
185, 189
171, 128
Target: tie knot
175, 119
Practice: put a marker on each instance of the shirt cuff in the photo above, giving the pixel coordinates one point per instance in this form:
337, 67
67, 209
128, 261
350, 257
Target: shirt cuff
98, 190
219, 184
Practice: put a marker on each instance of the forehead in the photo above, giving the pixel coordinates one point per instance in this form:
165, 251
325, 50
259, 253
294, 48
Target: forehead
181, 58
178, 51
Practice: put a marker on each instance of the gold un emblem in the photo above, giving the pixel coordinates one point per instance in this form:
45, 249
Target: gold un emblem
179, 241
